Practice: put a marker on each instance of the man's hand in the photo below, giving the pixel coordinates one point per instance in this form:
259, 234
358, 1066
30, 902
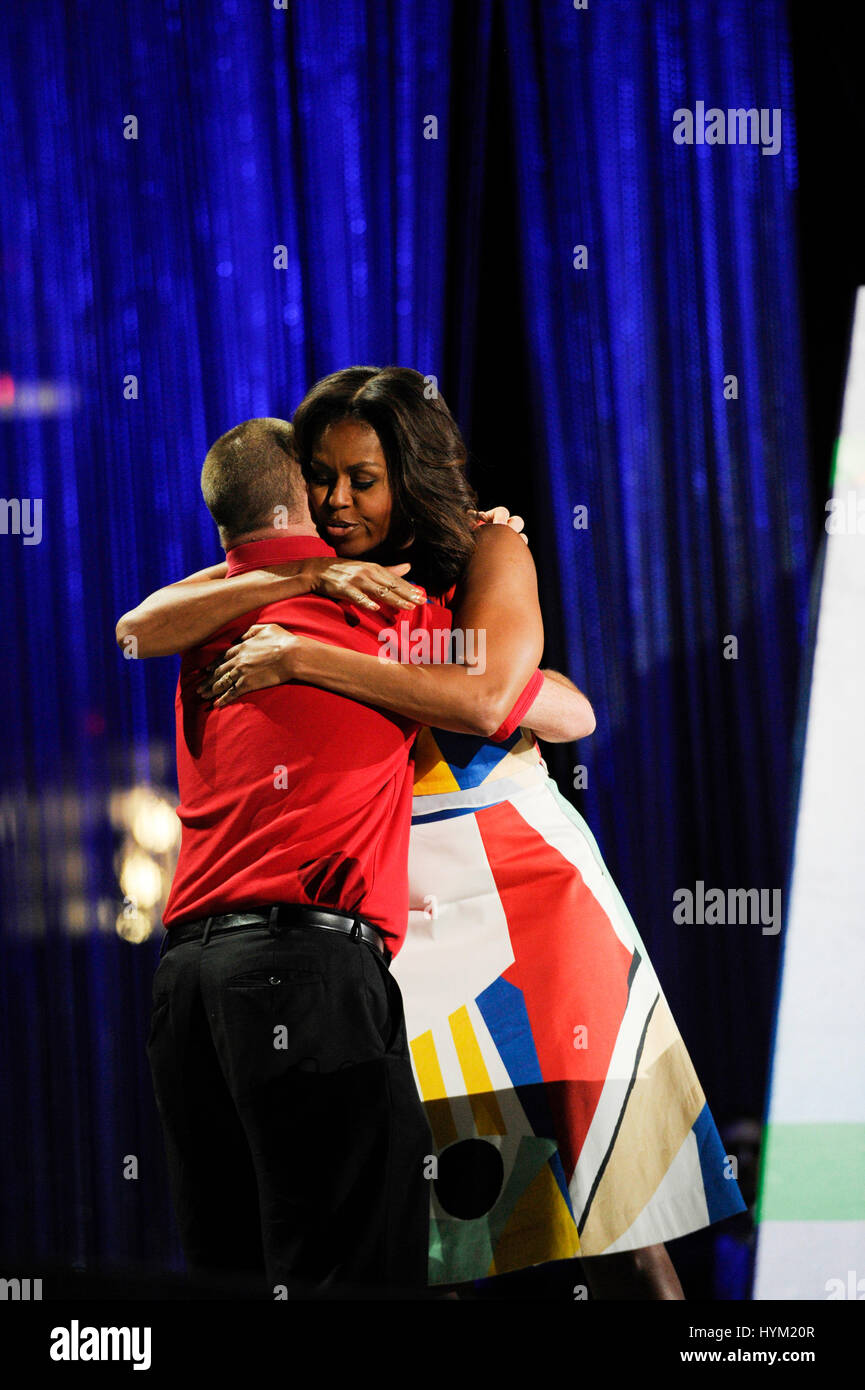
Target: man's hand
262, 657
362, 582
500, 516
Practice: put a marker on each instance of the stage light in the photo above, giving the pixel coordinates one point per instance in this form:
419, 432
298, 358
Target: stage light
141, 879
25, 399
152, 821
77, 916
134, 925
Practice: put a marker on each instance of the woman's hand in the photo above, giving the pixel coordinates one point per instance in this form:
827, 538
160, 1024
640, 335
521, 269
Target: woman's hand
362, 582
500, 516
263, 657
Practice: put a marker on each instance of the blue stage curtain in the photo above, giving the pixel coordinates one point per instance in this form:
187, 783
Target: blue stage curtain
697, 505
296, 139
280, 213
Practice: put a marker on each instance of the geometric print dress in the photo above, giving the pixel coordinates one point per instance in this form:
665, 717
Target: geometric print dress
566, 1114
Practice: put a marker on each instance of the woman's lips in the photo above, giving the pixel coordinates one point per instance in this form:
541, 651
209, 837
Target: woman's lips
337, 528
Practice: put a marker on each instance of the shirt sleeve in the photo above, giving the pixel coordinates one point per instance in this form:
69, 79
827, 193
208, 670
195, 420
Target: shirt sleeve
527, 698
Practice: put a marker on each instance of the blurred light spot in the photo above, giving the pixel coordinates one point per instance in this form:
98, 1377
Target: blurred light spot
133, 925
27, 398
141, 879
152, 821
76, 916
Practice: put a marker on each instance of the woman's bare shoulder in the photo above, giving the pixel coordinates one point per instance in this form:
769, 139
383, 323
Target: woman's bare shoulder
498, 551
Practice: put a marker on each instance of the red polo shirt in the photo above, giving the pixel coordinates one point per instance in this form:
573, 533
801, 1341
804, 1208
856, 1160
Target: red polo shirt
294, 794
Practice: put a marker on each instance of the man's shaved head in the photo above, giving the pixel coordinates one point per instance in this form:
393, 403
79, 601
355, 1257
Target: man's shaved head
250, 473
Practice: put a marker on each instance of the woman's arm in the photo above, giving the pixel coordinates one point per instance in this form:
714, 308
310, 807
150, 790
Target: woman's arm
560, 713
182, 615
497, 602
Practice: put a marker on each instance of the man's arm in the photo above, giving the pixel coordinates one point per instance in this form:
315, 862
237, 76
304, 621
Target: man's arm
560, 713
183, 615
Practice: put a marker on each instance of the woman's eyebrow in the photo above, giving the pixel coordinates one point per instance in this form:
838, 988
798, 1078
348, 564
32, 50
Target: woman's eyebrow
352, 467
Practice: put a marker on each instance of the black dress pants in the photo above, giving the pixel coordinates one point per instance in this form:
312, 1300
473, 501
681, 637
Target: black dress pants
294, 1132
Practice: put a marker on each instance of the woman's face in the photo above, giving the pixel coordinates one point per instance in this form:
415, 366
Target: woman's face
348, 488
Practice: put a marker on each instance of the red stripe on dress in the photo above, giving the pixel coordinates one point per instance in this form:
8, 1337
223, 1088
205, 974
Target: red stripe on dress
569, 963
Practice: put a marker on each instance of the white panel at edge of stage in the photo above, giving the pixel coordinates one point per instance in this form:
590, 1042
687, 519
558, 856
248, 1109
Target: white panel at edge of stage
818, 1074
801, 1259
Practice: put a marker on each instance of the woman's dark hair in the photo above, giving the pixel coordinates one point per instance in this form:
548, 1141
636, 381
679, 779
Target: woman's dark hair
425, 457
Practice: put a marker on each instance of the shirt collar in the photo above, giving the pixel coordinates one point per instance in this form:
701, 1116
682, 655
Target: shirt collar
278, 550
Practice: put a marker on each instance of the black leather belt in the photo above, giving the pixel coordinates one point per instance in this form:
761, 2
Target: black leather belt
279, 917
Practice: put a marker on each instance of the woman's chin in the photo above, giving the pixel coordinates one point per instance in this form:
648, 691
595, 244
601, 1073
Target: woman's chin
347, 547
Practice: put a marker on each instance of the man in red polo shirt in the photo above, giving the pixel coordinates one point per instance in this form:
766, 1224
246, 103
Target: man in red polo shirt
294, 1133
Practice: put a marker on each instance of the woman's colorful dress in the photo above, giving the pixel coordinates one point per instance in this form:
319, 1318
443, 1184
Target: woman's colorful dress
566, 1113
